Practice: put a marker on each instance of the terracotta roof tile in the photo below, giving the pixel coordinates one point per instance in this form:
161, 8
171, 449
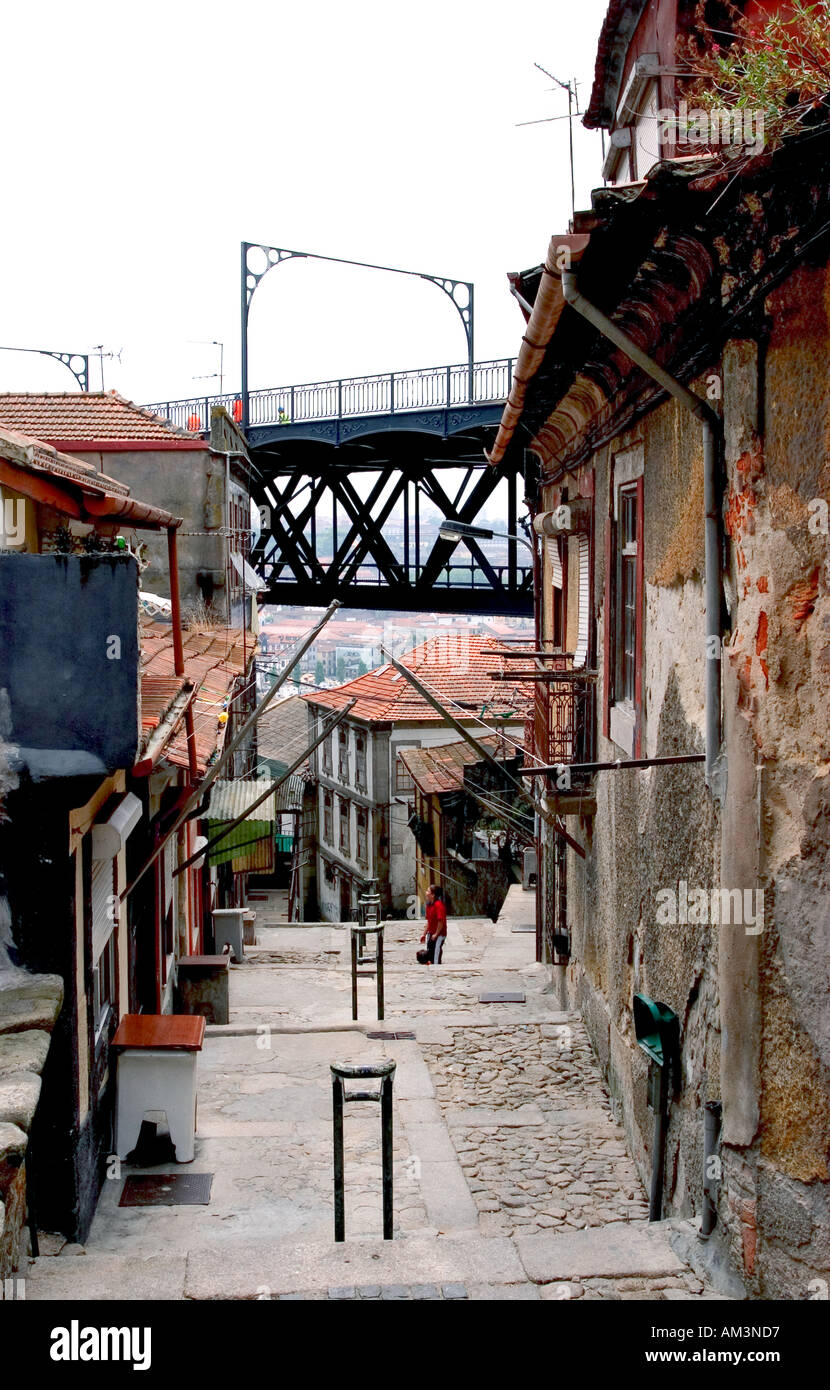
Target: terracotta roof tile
455, 668
213, 661
441, 769
86, 415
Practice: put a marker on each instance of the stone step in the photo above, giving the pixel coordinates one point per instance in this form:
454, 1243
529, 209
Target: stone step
155, 1278
268, 1269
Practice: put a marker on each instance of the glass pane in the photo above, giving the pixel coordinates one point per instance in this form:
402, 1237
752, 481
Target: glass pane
629, 633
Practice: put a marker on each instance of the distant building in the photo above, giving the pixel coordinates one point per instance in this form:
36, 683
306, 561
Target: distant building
366, 793
203, 481
468, 824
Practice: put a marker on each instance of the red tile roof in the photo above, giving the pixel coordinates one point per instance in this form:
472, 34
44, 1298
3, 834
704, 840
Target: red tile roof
96, 416
441, 769
455, 669
213, 661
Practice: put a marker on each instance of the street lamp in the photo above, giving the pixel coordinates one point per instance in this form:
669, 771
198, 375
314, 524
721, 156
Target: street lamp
77, 362
461, 530
459, 292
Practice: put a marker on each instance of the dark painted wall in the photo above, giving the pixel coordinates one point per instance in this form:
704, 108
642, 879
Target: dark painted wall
69, 661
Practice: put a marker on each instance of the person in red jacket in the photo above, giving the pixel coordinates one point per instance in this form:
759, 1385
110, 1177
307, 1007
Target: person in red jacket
436, 928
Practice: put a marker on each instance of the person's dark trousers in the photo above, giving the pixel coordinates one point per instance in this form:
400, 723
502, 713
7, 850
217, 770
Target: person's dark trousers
435, 946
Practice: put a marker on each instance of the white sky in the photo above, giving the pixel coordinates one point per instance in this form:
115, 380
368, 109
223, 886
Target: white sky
144, 142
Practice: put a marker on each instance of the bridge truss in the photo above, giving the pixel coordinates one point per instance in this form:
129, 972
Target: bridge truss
353, 479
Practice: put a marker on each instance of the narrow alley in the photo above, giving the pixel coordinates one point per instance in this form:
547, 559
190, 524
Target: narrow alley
511, 1181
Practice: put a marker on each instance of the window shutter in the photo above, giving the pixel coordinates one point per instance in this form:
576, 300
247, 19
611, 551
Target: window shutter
607, 642
555, 562
583, 627
103, 888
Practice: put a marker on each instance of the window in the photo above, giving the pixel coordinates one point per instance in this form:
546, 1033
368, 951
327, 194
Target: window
104, 987
345, 826
360, 763
104, 908
362, 838
627, 608
327, 756
343, 756
623, 717
403, 777
328, 832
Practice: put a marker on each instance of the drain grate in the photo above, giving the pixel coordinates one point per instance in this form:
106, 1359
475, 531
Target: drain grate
166, 1190
392, 1037
525, 926
502, 999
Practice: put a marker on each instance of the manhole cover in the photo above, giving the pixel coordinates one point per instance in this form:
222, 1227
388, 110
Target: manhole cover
501, 999
167, 1190
526, 926
392, 1037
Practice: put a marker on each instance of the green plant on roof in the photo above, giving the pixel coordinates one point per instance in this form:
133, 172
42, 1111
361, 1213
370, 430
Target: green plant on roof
778, 67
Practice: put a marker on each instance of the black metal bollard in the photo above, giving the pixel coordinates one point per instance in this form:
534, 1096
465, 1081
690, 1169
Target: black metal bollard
375, 929
384, 1071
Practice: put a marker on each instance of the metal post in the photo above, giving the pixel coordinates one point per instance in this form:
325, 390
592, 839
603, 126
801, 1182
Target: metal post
339, 1167
379, 969
469, 327
354, 975
711, 1132
386, 1149
659, 1098
244, 335
384, 1072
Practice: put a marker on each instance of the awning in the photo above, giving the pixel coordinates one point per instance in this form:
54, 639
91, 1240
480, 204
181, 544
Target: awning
251, 844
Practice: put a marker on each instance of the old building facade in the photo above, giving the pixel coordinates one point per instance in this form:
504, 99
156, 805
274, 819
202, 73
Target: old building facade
684, 577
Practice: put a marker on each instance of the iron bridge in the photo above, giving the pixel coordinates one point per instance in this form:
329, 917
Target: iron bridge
354, 477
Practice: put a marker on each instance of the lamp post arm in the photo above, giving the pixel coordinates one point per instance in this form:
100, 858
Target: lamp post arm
275, 255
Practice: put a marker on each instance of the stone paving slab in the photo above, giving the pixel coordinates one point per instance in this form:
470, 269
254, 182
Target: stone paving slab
610, 1251
242, 1271
151, 1278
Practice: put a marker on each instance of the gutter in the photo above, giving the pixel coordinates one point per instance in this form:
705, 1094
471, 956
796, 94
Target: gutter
544, 316
712, 428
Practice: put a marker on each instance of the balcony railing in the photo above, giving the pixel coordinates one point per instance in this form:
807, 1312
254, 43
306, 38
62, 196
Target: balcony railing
387, 393
565, 716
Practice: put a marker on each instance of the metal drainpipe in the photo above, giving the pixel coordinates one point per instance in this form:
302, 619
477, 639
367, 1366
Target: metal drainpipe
711, 1134
712, 436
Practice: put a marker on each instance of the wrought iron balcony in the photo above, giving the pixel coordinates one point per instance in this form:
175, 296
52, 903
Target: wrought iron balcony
564, 729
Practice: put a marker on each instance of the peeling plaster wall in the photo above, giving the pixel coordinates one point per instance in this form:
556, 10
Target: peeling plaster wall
653, 828
777, 675
755, 1019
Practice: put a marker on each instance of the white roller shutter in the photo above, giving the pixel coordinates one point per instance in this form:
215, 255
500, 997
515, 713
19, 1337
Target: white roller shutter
103, 906
555, 562
581, 653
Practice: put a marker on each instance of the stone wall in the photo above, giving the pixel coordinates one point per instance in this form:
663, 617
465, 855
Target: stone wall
29, 1007
752, 1000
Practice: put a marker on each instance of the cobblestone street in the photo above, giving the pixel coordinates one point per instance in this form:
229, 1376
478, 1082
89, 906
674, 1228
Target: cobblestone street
511, 1175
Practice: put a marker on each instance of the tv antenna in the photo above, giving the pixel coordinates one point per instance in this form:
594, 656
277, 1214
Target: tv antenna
98, 351
571, 87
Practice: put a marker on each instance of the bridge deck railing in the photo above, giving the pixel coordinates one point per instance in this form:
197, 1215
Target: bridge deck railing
453, 575
386, 393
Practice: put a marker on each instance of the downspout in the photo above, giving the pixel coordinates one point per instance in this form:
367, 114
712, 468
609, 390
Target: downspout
178, 647
712, 439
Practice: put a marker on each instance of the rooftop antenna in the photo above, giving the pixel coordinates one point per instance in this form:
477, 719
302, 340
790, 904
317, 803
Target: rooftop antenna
571, 87
98, 351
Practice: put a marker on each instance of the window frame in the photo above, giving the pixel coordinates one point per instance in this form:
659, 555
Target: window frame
623, 715
344, 821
